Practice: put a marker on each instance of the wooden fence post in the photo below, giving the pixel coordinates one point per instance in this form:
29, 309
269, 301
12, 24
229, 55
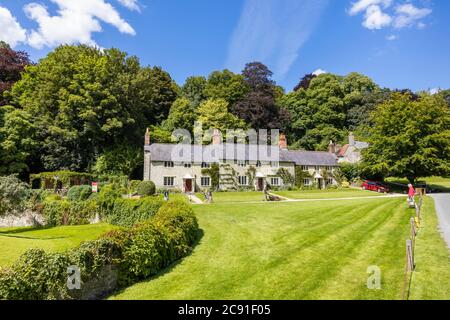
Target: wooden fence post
418, 211
413, 229
409, 255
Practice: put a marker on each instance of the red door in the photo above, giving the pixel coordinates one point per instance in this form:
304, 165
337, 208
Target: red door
260, 184
188, 185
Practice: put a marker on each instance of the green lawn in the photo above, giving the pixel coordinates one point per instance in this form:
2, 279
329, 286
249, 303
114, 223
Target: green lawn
310, 250
326, 194
15, 241
228, 197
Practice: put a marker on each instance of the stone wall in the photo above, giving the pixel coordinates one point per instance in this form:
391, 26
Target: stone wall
26, 219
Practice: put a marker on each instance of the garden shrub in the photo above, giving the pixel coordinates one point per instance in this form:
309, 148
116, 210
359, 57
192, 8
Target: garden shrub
127, 212
13, 195
133, 253
64, 212
146, 188
79, 193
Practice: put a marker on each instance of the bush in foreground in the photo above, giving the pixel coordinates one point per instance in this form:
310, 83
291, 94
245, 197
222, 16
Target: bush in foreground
146, 188
119, 258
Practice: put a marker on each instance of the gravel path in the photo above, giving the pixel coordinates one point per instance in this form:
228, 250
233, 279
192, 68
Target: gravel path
442, 203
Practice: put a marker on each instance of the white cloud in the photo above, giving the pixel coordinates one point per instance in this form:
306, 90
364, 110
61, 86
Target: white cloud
379, 14
408, 15
392, 37
363, 5
75, 22
273, 32
10, 30
434, 90
375, 18
318, 72
133, 5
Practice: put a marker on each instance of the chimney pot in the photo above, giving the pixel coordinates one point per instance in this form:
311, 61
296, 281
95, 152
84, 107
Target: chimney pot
216, 139
283, 142
332, 147
147, 137
351, 139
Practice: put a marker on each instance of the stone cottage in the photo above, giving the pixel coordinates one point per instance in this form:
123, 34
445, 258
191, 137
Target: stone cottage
245, 169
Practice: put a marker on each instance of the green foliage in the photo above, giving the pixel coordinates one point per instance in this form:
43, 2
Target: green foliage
181, 116
65, 212
226, 85
48, 180
146, 188
349, 171
300, 175
17, 142
128, 212
134, 253
107, 197
330, 106
214, 114
193, 89
214, 173
121, 159
409, 138
13, 195
84, 101
79, 193
286, 176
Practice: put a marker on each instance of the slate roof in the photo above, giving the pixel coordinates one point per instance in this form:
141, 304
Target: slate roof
165, 152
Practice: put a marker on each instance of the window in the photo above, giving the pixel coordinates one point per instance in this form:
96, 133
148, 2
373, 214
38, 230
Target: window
205, 181
317, 168
329, 181
205, 165
258, 164
274, 164
187, 165
305, 168
275, 181
242, 163
306, 182
168, 164
169, 181
242, 180
329, 168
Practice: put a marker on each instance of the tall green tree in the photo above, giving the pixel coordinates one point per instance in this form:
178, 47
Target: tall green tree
194, 90
182, 116
84, 101
409, 138
214, 114
17, 140
226, 85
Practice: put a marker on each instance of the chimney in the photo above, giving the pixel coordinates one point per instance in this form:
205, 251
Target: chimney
283, 142
147, 137
216, 138
332, 147
351, 139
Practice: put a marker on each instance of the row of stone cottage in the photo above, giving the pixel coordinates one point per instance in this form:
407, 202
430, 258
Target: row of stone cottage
187, 176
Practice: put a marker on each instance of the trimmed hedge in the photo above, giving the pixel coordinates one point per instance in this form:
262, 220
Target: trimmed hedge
118, 258
79, 193
146, 188
127, 212
65, 212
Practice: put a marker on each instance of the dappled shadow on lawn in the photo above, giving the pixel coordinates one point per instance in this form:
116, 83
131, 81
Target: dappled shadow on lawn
12, 233
22, 229
31, 238
170, 267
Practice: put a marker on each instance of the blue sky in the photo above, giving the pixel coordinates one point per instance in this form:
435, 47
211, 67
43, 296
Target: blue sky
398, 43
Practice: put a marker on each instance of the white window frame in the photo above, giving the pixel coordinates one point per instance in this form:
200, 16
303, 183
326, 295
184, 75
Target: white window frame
273, 183
187, 165
166, 180
243, 179
258, 164
202, 180
205, 165
330, 181
168, 164
275, 164
305, 168
308, 182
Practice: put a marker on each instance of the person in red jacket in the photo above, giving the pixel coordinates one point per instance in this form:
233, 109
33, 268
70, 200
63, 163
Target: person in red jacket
411, 192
